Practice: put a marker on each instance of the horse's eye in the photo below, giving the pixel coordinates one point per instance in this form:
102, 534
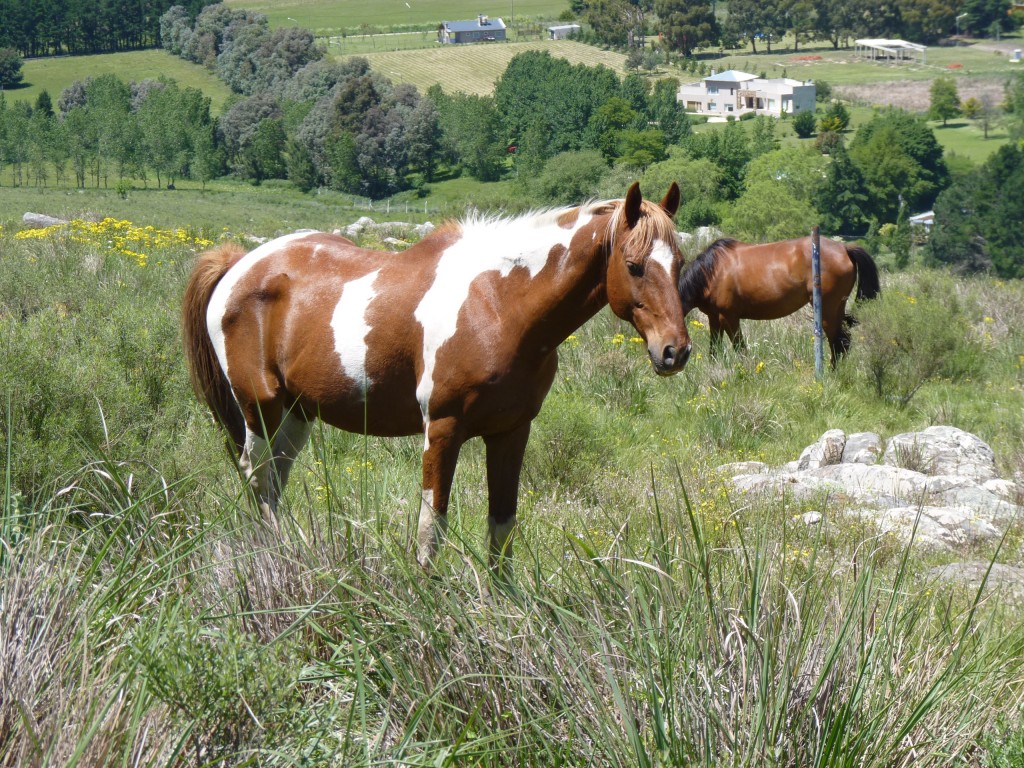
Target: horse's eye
635, 269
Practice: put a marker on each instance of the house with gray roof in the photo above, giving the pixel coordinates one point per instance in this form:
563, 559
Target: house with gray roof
733, 93
479, 30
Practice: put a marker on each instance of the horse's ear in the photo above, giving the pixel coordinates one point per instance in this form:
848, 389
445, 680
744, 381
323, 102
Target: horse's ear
671, 200
633, 204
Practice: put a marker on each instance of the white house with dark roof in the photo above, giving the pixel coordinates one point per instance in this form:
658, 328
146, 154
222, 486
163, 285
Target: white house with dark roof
479, 30
734, 93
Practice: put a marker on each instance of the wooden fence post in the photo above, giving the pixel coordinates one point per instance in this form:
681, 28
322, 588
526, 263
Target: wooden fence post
819, 354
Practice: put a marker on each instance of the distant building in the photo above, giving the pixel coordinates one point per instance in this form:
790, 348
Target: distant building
479, 30
562, 31
926, 220
879, 49
734, 93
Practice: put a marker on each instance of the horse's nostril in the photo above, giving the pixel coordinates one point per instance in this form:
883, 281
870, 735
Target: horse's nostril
669, 354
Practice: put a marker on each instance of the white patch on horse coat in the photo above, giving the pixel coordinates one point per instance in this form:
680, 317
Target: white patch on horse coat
485, 246
222, 293
662, 254
351, 329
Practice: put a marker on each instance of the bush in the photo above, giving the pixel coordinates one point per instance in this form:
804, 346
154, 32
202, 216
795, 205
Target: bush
10, 68
906, 339
804, 124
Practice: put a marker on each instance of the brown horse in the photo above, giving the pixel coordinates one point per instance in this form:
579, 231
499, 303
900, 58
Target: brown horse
731, 281
456, 337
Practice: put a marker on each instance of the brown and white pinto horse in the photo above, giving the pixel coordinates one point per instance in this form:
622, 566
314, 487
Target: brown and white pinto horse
456, 337
731, 281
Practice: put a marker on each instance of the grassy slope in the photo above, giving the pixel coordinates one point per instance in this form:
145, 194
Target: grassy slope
475, 69
336, 16
56, 74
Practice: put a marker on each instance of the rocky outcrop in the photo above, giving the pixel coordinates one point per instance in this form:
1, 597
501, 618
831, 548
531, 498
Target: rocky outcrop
365, 225
938, 485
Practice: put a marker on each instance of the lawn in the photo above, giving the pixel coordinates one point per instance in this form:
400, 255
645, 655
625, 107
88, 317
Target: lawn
475, 68
57, 73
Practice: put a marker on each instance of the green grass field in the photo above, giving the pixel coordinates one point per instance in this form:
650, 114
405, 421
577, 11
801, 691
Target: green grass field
656, 618
842, 67
335, 17
476, 68
57, 73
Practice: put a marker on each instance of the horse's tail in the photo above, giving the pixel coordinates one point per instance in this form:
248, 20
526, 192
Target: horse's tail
868, 285
208, 378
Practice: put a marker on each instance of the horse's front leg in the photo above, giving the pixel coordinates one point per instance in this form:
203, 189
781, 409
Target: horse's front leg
504, 463
442, 443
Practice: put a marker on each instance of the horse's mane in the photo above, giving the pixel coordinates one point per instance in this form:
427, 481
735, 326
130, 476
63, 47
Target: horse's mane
693, 282
654, 224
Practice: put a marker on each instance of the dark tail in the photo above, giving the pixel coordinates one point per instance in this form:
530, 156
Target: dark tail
208, 379
868, 285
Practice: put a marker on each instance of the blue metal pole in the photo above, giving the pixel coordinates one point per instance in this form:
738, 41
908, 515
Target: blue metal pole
819, 353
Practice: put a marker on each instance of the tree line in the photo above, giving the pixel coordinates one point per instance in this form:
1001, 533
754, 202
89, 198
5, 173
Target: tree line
560, 132
683, 26
76, 27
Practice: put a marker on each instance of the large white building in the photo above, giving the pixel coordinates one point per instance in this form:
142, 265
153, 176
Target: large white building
734, 93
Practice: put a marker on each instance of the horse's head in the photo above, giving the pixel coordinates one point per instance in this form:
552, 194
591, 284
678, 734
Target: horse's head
643, 274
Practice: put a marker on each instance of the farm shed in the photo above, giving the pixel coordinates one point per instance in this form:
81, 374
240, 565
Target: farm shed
563, 31
479, 30
893, 50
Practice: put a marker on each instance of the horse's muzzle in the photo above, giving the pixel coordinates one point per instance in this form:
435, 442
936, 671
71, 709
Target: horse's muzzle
671, 360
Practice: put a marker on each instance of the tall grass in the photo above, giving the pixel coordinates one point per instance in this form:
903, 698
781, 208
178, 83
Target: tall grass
146, 618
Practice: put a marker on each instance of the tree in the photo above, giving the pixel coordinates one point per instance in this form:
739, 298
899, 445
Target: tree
766, 212
804, 124
569, 177
762, 135
945, 101
701, 186
10, 68
642, 148
1013, 105
900, 158
748, 20
982, 14
800, 170
666, 112
262, 156
977, 219
843, 197
686, 24
609, 122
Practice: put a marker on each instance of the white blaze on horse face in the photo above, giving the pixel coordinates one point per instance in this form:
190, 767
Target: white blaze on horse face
485, 246
222, 293
662, 254
351, 329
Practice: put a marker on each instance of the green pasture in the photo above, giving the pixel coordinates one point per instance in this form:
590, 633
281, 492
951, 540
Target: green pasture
56, 73
655, 617
336, 17
843, 67
476, 68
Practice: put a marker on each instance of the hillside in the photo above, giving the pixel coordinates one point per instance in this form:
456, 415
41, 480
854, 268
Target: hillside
57, 73
474, 69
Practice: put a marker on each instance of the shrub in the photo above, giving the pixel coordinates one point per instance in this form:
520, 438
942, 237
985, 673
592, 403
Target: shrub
906, 339
804, 124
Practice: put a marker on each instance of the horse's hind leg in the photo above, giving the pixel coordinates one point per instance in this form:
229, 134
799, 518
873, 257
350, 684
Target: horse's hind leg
289, 440
834, 326
504, 464
273, 438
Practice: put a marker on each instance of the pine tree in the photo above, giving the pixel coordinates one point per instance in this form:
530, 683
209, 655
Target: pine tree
843, 199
